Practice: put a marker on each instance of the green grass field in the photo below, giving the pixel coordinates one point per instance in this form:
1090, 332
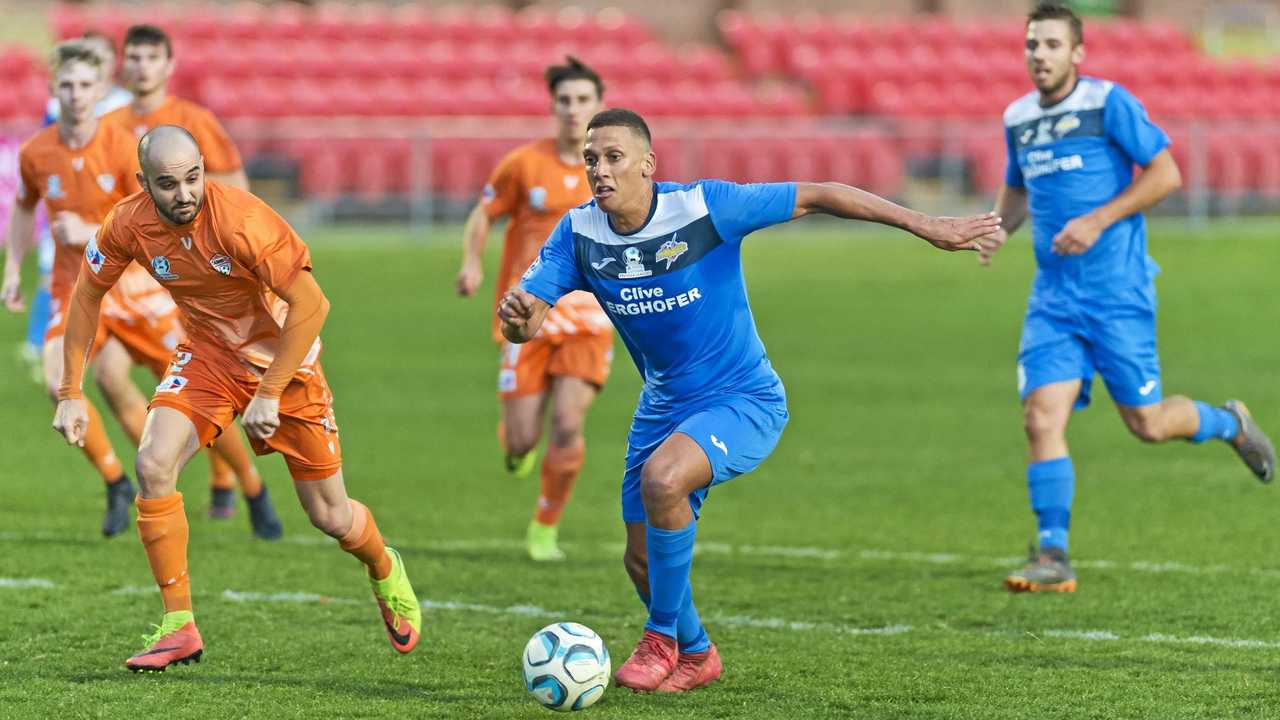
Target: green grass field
856, 574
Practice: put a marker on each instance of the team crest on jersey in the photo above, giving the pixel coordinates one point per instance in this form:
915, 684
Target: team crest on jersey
107, 182
77, 164
160, 268
671, 251
635, 265
54, 190
1066, 124
538, 198
172, 384
93, 256
221, 263
571, 181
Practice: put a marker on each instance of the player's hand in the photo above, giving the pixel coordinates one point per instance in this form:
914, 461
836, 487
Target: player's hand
989, 244
261, 419
516, 308
71, 420
68, 229
1078, 236
11, 290
958, 233
469, 279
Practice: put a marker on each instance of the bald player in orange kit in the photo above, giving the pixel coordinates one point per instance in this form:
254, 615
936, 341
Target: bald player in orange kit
561, 370
252, 312
80, 167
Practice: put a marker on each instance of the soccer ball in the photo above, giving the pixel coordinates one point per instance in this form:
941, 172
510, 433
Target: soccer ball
566, 666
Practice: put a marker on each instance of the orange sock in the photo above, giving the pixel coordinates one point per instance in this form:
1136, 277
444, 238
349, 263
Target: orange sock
97, 447
365, 542
162, 525
560, 470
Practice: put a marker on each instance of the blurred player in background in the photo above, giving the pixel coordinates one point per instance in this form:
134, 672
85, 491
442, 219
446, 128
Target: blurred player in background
80, 168
1072, 145
665, 261
253, 313
148, 66
38, 314
561, 370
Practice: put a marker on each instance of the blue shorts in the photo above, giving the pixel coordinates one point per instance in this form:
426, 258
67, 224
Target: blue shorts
1113, 336
737, 432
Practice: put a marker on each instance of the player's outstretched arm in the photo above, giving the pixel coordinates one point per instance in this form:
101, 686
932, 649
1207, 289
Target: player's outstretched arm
71, 418
1158, 179
22, 226
845, 201
1011, 207
474, 236
308, 308
521, 314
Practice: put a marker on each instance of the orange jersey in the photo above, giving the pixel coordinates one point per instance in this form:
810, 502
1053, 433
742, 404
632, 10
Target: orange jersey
220, 154
220, 269
87, 181
536, 188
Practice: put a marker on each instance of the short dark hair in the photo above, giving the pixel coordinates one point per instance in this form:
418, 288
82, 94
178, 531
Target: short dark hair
572, 69
1059, 11
621, 117
148, 35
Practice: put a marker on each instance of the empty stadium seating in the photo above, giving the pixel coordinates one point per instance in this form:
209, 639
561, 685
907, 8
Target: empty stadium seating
922, 87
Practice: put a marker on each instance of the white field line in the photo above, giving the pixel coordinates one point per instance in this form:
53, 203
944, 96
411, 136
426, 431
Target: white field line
792, 552
770, 623
806, 552
21, 583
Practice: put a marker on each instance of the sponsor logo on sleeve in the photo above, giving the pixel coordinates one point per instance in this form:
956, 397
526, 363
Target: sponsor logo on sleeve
93, 256
107, 182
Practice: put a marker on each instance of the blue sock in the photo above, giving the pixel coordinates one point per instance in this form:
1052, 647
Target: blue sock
1215, 423
1051, 484
38, 318
690, 633
670, 558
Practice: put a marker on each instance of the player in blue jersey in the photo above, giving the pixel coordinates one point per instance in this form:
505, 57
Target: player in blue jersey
664, 261
1072, 145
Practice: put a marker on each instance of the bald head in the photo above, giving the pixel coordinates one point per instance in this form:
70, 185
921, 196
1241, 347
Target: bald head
172, 172
165, 147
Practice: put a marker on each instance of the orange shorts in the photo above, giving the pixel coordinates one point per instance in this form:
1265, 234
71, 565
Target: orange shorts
149, 341
211, 396
527, 369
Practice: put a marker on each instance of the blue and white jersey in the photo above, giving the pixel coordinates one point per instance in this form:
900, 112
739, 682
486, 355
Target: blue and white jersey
1073, 157
674, 289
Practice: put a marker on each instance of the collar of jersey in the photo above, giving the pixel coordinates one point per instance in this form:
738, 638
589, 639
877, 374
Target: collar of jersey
1079, 82
653, 210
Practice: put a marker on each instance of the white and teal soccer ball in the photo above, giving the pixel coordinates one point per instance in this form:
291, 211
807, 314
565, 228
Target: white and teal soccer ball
566, 666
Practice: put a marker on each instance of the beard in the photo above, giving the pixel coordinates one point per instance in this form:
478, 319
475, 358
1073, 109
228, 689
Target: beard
172, 216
